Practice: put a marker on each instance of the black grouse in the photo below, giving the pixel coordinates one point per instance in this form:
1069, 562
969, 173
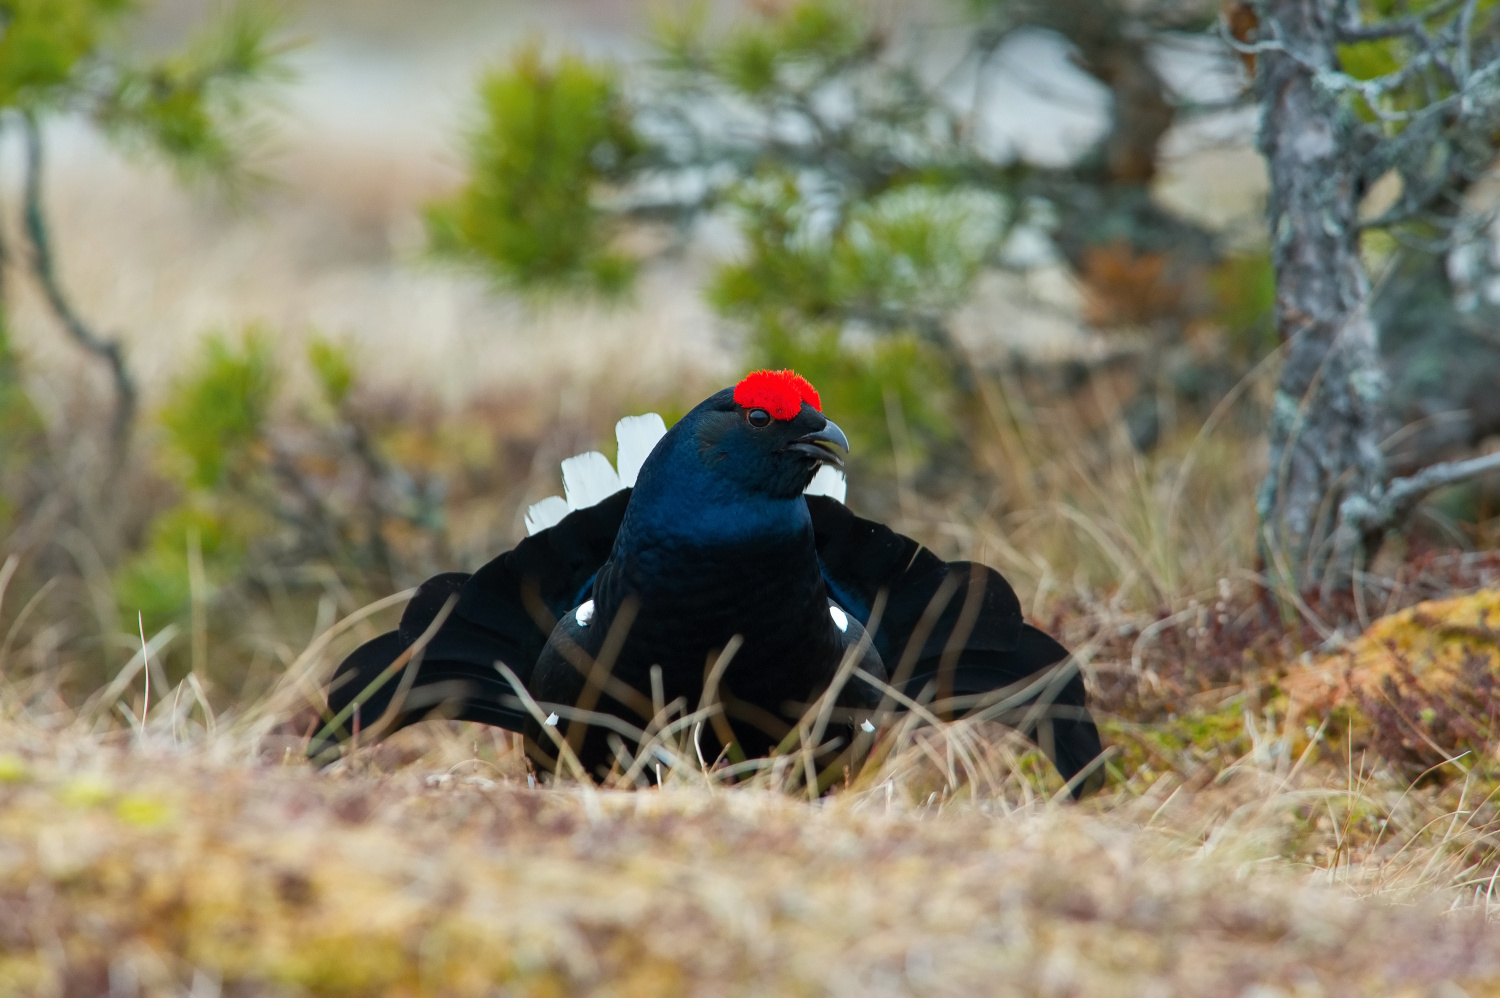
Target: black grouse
716, 570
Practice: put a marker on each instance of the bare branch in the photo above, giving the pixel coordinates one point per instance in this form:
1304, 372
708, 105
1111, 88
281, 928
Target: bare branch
1472, 109
45, 267
1413, 26
1465, 29
1226, 35
1457, 226
1400, 497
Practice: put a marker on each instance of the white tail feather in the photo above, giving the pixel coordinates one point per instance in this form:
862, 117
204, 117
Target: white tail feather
547, 513
636, 436
830, 482
589, 479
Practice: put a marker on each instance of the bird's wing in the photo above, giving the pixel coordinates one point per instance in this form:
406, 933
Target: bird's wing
954, 631
544, 576
1034, 687
860, 558
501, 613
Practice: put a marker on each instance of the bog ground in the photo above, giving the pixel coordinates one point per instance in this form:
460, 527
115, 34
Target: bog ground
1238, 850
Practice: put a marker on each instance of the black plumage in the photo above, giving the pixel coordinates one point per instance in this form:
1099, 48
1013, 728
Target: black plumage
716, 548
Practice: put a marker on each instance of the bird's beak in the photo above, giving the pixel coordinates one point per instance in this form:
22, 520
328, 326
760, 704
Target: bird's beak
828, 445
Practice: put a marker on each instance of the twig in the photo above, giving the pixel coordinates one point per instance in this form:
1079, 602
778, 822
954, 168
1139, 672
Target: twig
7, 572
44, 265
1372, 514
140, 622
566, 755
1476, 98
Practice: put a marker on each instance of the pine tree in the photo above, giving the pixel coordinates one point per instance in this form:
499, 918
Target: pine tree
192, 106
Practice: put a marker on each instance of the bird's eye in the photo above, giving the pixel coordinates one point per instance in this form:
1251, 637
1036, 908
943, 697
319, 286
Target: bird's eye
758, 417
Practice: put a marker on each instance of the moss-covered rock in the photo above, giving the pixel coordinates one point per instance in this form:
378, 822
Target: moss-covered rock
1419, 687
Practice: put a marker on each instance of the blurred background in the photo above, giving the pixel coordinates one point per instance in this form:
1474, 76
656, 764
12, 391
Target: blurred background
305, 303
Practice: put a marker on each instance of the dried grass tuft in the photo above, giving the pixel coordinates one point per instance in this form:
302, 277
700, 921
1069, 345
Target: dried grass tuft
187, 853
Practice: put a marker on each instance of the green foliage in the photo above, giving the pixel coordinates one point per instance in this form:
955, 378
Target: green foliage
1215, 738
333, 367
1244, 288
783, 264
676, 34
215, 414
1368, 60
45, 41
1401, 73
823, 29
853, 254
915, 249
193, 107
790, 44
874, 387
190, 106
214, 418
265, 479
892, 268
749, 61
157, 581
20, 430
56, 57
807, 38
550, 135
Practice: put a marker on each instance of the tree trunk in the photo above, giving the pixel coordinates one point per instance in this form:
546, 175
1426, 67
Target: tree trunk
1327, 423
1141, 114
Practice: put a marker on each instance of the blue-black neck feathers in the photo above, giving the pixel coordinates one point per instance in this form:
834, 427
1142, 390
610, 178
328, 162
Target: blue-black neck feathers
718, 533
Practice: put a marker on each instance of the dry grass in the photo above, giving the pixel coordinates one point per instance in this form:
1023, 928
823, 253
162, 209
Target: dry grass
156, 868
1234, 850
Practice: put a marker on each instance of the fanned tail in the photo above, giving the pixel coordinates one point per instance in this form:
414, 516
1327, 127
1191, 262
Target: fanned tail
441, 660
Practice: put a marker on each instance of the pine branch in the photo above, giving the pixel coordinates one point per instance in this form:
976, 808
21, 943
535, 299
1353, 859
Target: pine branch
45, 268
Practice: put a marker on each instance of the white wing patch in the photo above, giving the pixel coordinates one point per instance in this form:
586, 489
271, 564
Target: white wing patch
635, 438
840, 618
830, 482
589, 479
584, 613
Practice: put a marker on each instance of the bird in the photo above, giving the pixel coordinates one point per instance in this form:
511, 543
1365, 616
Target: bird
715, 576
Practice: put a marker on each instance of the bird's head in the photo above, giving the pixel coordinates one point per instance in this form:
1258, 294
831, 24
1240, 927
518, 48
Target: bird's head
761, 440
734, 467
767, 435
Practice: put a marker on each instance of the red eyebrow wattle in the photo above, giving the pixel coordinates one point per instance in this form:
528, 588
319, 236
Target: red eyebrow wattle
781, 393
